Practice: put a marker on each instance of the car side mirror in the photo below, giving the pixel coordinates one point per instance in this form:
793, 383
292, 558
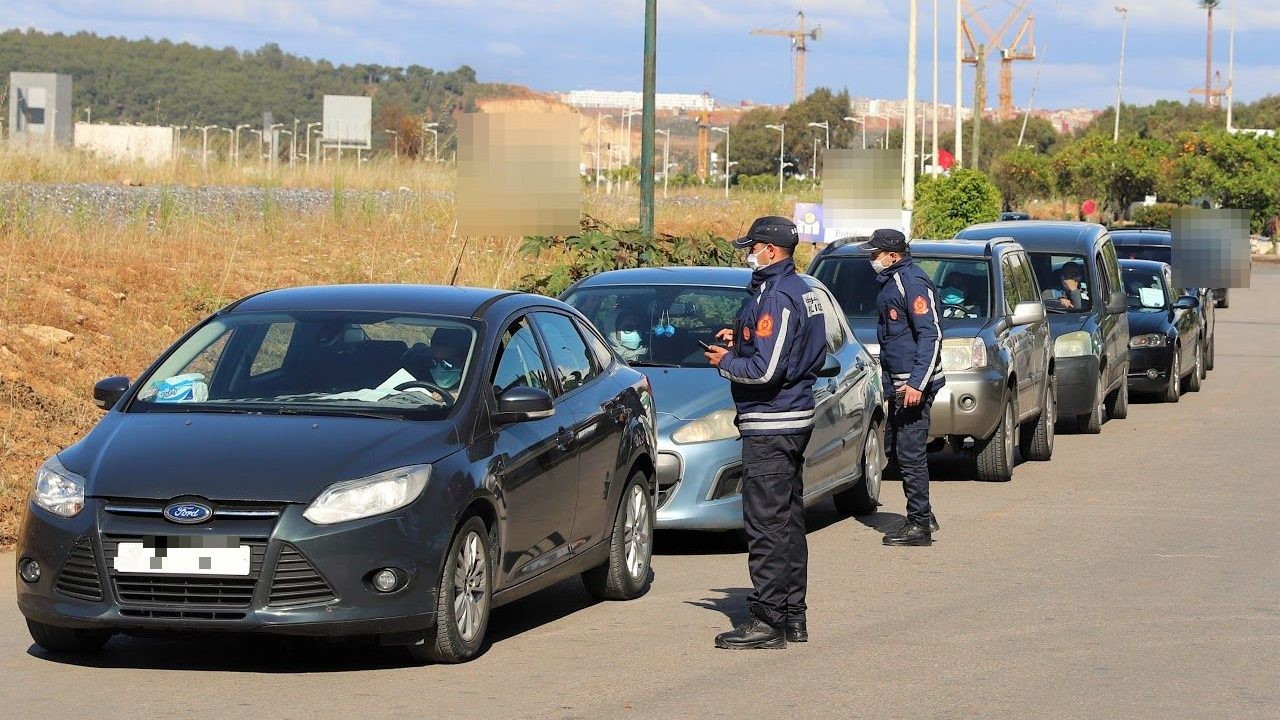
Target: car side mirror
1119, 303
522, 403
830, 367
1187, 302
1026, 313
108, 391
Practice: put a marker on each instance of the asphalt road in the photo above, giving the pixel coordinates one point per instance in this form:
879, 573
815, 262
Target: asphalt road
1137, 575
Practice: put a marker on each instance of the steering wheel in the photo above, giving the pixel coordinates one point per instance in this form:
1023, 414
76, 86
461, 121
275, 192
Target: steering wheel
445, 395
953, 310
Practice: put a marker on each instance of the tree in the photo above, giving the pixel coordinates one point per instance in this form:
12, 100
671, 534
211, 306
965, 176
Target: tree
1237, 171
1094, 167
753, 146
1023, 174
947, 204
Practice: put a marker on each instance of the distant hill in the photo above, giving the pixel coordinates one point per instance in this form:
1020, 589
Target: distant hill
162, 82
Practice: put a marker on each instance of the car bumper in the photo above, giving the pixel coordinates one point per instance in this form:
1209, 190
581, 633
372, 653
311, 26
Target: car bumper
304, 579
1077, 380
969, 404
1149, 368
691, 503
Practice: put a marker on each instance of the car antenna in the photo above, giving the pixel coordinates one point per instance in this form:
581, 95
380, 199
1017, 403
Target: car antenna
457, 263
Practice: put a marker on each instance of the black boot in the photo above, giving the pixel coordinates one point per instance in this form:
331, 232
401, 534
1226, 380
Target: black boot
752, 635
797, 630
933, 524
911, 533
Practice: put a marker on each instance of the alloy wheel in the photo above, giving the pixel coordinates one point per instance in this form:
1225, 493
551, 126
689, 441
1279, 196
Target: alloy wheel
470, 587
637, 532
1009, 429
871, 463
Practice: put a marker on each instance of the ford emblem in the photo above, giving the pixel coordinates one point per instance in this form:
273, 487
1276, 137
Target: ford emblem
188, 513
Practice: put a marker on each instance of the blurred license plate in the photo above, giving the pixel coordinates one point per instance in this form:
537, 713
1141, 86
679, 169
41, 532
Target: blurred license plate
173, 555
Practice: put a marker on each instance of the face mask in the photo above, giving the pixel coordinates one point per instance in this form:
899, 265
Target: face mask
446, 374
952, 296
878, 265
629, 339
753, 262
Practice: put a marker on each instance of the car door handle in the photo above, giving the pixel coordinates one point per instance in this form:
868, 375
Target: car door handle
564, 438
617, 411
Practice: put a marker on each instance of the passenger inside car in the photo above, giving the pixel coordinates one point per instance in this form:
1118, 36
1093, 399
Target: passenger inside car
625, 338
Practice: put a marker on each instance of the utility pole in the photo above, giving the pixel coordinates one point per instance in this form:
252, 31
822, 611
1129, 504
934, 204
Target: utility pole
934, 122
1124, 32
909, 126
782, 143
959, 108
666, 158
648, 122
863, 123
1231, 71
272, 143
825, 125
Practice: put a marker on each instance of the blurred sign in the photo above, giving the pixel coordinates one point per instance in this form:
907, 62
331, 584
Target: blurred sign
1088, 207
1211, 248
808, 220
348, 121
861, 193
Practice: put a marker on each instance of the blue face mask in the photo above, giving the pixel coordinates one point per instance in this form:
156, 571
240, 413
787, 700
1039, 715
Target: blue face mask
952, 296
446, 374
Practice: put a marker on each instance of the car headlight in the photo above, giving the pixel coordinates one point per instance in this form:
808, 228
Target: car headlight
1074, 344
963, 354
365, 497
712, 426
58, 490
1149, 340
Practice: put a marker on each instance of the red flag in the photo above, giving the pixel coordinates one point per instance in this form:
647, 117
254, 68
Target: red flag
946, 159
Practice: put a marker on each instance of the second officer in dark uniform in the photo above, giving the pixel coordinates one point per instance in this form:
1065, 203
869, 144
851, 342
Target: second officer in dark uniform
777, 346
910, 339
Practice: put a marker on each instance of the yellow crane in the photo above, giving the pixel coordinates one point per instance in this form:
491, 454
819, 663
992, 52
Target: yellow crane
977, 55
798, 37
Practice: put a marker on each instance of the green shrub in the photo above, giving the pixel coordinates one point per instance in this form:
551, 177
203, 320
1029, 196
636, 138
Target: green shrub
1159, 215
947, 204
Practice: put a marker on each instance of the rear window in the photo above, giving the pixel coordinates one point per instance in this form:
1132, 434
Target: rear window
1145, 252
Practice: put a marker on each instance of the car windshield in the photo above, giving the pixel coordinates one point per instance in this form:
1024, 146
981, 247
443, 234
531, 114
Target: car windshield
315, 362
1158, 253
1064, 280
964, 286
660, 325
1144, 290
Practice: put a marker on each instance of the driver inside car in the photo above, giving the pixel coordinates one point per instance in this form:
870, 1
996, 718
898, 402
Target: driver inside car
441, 362
955, 302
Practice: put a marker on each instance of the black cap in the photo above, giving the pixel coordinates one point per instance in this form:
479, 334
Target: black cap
887, 240
770, 229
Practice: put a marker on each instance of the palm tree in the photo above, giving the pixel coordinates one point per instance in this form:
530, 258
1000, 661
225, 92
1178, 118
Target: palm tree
1209, 6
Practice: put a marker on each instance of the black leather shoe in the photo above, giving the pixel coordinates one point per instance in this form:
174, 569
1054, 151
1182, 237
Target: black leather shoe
909, 534
797, 630
755, 634
933, 524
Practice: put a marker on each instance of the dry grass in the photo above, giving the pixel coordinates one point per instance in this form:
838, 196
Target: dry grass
127, 287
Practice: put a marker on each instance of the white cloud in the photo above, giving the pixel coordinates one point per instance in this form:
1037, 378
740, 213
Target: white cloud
290, 13
1146, 16
505, 49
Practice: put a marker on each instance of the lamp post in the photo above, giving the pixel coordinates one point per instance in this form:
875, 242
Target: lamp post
725, 130
395, 142
909, 126
204, 144
666, 157
959, 108
727, 165
666, 172
309, 126
236, 150
627, 118
782, 143
435, 141
599, 118
863, 123
825, 125
1124, 31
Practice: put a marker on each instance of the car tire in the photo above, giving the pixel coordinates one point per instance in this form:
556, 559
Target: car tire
1118, 403
1197, 372
54, 639
1090, 423
863, 498
1173, 389
995, 454
1208, 356
1037, 440
461, 621
625, 575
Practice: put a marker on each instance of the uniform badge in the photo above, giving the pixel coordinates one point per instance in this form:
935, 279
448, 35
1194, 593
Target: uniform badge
893, 313
920, 306
746, 334
812, 305
764, 326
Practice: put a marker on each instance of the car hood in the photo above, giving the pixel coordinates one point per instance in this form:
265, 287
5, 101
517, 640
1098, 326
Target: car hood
688, 393
276, 458
865, 330
1063, 323
1143, 323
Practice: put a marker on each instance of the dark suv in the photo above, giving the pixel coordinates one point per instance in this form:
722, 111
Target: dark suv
996, 349
1079, 274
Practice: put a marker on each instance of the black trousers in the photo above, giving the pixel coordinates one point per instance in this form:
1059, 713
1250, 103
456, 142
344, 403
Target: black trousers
773, 511
906, 440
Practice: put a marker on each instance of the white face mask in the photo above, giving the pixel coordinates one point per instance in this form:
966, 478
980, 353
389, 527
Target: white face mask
629, 339
753, 262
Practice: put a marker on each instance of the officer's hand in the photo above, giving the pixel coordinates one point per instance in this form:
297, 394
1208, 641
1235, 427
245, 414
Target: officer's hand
911, 397
715, 354
725, 336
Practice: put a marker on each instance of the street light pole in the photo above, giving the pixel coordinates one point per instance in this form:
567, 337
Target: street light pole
958, 110
270, 141
825, 125
934, 122
782, 143
177, 131
1124, 31
863, 123
909, 126
725, 131
599, 157
728, 164
666, 157
649, 118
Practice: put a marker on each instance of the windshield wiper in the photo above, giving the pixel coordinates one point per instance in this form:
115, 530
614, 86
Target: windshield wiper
341, 412
650, 363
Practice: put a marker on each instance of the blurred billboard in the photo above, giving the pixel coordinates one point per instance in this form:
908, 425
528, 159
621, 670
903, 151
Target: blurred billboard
861, 193
348, 121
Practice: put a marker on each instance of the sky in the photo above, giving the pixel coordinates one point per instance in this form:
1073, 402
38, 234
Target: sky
706, 46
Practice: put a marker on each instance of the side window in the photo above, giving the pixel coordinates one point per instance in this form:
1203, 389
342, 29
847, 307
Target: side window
1027, 290
1009, 276
603, 357
1111, 267
519, 363
271, 352
832, 318
1108, 283
570, 359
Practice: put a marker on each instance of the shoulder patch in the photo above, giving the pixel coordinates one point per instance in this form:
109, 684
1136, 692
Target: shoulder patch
764, 326
893, 313
812, 305
920, 306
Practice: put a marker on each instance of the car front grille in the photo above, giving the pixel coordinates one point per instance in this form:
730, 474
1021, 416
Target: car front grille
184, 590
296, 581
79, 576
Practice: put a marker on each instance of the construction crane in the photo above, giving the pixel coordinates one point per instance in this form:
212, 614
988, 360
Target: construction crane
1215, 94
798, 37
1016, 50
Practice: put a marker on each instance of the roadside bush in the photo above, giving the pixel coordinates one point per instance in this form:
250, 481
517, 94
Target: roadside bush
947, 204
1159, 215
600, 247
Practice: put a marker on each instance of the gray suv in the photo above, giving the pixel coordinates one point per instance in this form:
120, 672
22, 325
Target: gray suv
996, 350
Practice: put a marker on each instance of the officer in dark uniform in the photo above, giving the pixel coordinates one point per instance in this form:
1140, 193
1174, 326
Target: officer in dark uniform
776, 348
911, 370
